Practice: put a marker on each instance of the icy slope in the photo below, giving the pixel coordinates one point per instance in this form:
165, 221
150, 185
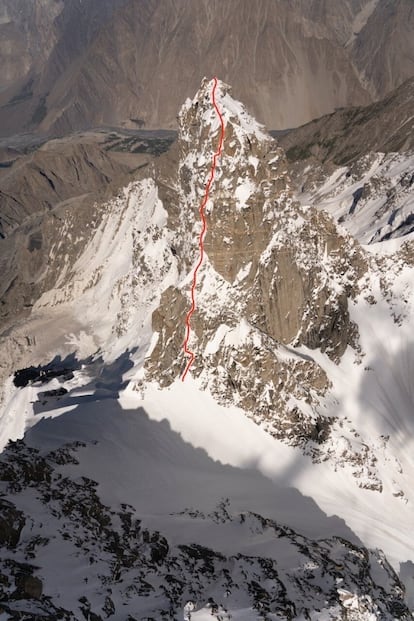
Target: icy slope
113, 279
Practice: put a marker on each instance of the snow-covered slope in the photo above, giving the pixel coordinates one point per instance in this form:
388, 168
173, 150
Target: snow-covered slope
127, 518
372, 199
298, 407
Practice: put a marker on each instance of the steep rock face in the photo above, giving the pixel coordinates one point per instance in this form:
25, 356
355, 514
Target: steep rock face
258, 234
276, 276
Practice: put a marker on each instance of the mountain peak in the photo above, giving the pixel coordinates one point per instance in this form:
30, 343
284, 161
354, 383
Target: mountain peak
200, 112
263, 284
249, 165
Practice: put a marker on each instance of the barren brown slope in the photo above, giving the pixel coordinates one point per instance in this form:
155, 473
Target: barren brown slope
38, 41
383, 51
347, 134
129, 59
58, 171
288, 68
38, 175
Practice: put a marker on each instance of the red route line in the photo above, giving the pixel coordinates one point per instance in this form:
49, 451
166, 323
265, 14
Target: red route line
188, 351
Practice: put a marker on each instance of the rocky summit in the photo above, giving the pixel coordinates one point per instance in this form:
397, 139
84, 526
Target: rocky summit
280, 281
275, 481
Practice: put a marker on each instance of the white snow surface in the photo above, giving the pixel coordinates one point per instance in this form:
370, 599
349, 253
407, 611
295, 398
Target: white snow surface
135, 453
228, 436
244, 190
371, 199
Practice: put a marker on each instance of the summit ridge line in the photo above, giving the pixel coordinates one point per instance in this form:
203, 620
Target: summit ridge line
216, 155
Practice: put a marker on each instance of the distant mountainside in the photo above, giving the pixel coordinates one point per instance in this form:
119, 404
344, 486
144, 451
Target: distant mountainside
71, 65
358, 164
346, 134
37, 175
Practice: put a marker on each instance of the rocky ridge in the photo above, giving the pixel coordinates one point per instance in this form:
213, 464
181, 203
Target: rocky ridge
279, 286
127, 569
350, 133
52, 197
357, 164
